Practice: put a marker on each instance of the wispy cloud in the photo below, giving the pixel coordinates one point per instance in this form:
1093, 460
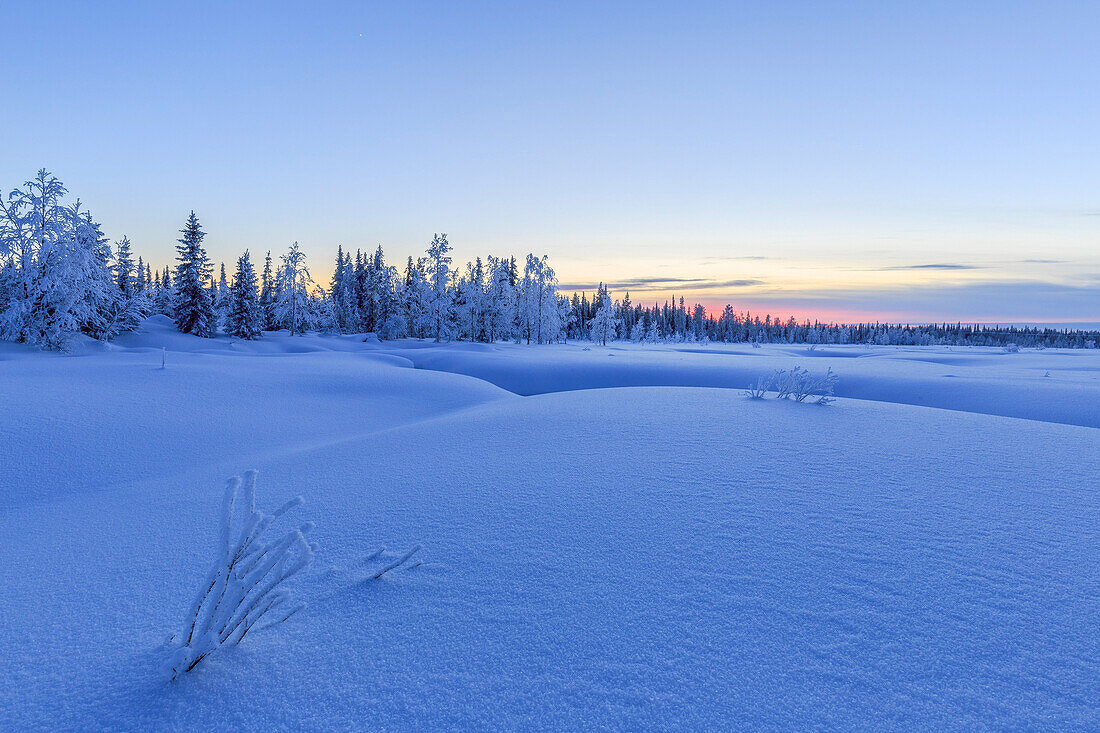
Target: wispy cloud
736, 258
662, 284
1042, 262
1004, 301
934, 266
712, 284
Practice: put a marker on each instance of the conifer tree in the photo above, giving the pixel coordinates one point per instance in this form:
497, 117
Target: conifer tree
166, 295
604, 322
244, 319
194, 311
267, 295
124, 269
142, 284
439, 295
220, 297
341, 292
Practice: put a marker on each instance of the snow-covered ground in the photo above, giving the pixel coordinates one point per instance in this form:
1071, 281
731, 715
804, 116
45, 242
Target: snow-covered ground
670, 555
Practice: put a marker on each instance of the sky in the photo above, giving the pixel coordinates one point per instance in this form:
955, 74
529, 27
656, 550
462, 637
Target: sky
895, 161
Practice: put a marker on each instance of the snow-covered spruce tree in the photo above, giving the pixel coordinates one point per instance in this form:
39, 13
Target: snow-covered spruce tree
267, 294
566, 318
141, 284
132, 302
7, 283
391, 316
128, 280
342, 293
604, 322
107, 306
194, 311
166, 294
291, 307
322, 312
244, 319
500, 300
361, 289
414, 297
245, 586
125, 314
468, 304
221, 299
440, 299
69, 290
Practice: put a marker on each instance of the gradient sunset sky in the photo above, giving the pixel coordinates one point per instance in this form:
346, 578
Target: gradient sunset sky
840, 160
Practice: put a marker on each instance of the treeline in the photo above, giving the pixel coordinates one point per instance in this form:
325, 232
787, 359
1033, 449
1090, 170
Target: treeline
672, 322
60, 277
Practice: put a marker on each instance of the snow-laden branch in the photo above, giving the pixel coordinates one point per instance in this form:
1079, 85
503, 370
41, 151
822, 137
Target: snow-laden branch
245, 584
796, 384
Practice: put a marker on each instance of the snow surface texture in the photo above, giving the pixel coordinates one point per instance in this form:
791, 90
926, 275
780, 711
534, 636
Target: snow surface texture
655, 557
971, 379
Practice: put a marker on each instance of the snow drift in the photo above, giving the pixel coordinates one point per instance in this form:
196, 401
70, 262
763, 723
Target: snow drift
651, 557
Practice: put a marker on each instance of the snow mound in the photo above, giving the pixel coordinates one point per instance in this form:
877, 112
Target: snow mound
653, 557
986, 381
620, 558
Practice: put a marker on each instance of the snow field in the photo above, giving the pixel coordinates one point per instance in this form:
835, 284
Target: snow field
658, 557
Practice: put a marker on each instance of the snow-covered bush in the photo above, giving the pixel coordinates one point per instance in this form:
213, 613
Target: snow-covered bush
796, 384
245, 584
758, 390
809, 385
784, 381
1012, 349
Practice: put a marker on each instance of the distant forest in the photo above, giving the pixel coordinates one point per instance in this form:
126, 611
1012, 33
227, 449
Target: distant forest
60, 277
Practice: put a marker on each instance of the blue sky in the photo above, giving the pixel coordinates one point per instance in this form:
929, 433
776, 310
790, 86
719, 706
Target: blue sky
908, 161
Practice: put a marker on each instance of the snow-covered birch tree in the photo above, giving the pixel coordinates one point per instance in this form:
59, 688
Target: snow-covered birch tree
292, 285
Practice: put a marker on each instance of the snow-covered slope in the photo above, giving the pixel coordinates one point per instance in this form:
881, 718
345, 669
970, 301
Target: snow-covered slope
110, 419
1053, 385
651, 557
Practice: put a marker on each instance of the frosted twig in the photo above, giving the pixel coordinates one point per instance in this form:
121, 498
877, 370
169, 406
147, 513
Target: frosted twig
244, 585
397, 563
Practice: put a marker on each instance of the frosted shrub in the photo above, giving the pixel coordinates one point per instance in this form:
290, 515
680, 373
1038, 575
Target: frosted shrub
758, 390
245, 584
810, 386
1011, 349
796, 384
784, 381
